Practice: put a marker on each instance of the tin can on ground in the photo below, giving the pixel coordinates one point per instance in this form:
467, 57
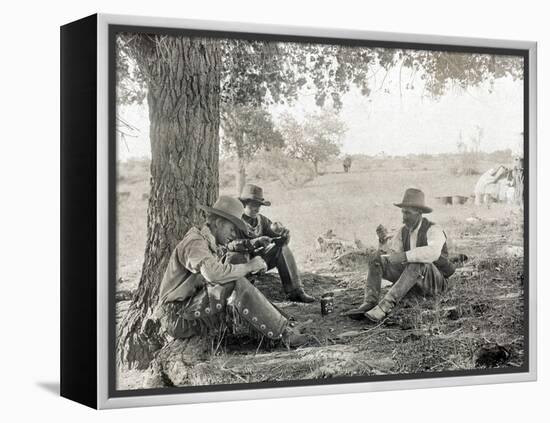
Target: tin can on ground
327, 303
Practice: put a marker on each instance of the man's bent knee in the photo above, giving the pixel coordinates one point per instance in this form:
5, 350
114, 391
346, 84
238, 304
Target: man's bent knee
242, 283
417, 267
375, 260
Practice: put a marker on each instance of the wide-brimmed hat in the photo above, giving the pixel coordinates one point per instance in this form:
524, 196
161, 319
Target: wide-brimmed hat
251, 192
414, 198
229, 208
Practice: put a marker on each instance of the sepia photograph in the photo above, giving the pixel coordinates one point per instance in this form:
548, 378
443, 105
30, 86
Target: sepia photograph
296, 210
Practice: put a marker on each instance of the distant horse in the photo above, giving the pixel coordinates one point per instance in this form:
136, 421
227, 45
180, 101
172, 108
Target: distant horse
347, 164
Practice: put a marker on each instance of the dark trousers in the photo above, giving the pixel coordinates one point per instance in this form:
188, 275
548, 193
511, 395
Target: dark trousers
422, 278
276, 256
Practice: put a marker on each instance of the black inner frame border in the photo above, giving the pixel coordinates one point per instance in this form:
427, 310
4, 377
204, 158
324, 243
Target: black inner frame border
114, 29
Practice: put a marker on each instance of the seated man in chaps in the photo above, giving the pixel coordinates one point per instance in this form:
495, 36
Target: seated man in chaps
198, 283
267, 240
419, 260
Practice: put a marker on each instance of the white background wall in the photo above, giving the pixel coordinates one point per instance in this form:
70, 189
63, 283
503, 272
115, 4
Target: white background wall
30, 209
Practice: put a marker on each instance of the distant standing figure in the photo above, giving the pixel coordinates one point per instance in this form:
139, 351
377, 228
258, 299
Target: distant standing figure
489, 185
419, 259
347, 164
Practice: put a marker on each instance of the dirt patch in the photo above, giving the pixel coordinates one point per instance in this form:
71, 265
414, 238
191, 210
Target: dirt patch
422, 334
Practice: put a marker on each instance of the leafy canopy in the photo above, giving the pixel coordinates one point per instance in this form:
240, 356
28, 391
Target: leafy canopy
247, 129
259, 73
316, 139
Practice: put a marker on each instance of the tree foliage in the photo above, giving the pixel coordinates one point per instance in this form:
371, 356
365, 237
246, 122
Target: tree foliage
261, 73
440, 70
258, 74
316, 139
131, 84
247, 129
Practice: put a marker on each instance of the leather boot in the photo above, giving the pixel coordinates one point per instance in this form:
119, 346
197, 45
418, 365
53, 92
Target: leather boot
290, 277
374, 282
359, 313
294, 339
299, 295
376, 315
372, 290
256, 309
411, 276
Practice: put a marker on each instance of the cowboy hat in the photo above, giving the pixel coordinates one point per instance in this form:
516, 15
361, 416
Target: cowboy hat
251, 192
229, 208
414, 198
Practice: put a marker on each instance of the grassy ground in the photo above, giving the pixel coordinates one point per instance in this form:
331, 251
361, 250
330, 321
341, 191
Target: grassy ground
483, 306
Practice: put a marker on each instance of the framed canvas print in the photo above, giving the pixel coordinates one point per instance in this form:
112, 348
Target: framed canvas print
254, 211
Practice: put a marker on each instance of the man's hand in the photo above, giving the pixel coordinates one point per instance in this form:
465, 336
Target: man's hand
257, 265
261, 242
277, 227
286, 235
198, 283
382, 234
397, 258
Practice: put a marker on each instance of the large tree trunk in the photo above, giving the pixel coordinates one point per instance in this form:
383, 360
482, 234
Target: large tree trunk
183, 78
241, 174
240, 142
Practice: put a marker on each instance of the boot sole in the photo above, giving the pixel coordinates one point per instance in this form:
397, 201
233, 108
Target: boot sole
361, 318
373, 320
296, 300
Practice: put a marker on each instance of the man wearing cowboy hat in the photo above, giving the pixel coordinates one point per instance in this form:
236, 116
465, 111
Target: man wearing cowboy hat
269, 241
198, 284
419, 260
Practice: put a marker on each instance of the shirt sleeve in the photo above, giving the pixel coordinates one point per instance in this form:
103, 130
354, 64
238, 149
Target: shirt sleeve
214, 271
432, 251
240, 246
191, 254
396, 243
266, 227
243, 243
196, 256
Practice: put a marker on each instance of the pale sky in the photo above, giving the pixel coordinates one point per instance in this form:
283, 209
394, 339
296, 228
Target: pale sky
398, 124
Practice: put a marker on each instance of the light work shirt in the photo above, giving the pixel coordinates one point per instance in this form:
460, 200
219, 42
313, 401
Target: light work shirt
196, 255
429, 253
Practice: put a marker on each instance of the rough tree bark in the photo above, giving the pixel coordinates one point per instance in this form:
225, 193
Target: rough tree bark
240, 142
183, 81
241, 174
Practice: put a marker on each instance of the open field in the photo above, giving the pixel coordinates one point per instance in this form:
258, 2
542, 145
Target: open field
484, 305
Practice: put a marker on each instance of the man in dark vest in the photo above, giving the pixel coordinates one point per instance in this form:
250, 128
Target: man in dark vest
268, 240
419, 260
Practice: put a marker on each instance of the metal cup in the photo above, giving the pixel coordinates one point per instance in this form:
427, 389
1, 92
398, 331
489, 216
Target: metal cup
327, 303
